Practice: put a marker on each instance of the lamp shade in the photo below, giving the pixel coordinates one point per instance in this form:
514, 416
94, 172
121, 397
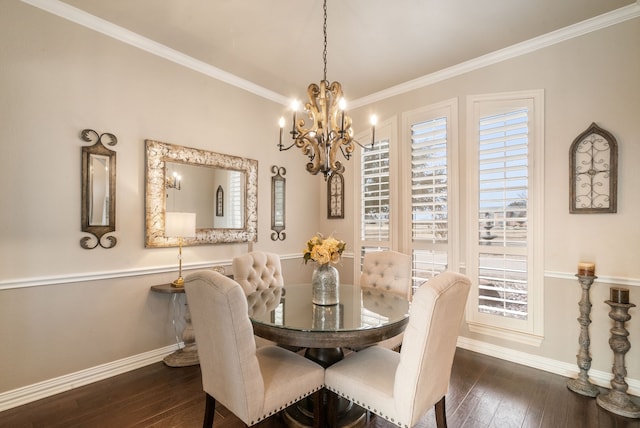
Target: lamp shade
180, 225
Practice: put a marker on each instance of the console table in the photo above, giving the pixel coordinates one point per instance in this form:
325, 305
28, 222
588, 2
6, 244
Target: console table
188, 355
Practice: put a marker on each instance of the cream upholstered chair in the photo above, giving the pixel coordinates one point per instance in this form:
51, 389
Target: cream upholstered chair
402, 386
388, 271
257, 270
253, 383
260, 276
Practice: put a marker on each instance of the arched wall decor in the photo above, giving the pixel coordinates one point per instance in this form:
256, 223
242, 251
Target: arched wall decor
220, 202
593, 172
335, 196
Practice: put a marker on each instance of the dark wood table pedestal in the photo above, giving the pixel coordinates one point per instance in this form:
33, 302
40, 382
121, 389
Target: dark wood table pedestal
348, 414
361, 319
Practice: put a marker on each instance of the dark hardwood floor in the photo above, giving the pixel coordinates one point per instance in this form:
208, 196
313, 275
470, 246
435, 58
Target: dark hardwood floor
484, 392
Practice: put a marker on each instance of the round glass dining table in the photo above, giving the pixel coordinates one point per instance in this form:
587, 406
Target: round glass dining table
362, 317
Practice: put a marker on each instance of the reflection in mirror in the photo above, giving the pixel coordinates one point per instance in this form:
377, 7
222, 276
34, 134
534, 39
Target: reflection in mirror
216, 195
98, 189
221, 189
278, 190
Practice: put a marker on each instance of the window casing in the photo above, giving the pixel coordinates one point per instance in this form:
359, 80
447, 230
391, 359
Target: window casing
505, 154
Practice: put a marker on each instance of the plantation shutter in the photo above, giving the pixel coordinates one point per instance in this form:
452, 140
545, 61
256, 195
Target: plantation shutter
429, 198
503, 214
375, 193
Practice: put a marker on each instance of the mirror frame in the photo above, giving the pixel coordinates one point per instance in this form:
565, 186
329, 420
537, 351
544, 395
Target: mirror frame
98, 148
157, 153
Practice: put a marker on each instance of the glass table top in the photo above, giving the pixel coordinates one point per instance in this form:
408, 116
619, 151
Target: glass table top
358, 309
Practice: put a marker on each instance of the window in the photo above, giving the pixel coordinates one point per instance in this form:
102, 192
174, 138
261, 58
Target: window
505, 167
431, 139
376, 189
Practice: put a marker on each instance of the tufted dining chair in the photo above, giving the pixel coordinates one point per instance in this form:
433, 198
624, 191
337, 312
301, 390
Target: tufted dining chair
402, 386
252, 383
260, 276
387, 271
257, 270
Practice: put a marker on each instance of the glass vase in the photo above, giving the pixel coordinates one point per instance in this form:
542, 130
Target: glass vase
325, 284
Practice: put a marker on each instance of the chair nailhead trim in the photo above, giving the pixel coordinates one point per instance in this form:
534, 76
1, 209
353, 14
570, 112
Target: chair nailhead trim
273, 412
390, 419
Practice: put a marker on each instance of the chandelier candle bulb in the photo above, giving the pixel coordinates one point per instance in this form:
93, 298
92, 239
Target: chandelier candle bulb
373, 120
342, 104
620, 295
281, 123
586, 269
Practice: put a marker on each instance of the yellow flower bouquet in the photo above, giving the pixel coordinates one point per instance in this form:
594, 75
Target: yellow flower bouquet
323, 250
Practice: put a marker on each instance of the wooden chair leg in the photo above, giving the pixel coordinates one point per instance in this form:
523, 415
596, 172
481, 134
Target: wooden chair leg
332, 409
209, 412
319, 413
441, 414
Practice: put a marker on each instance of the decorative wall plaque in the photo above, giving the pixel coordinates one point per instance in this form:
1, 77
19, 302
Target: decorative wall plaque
593, 170
335, 196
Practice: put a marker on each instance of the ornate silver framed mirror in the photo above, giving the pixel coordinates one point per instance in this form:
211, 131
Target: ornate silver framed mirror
221, 189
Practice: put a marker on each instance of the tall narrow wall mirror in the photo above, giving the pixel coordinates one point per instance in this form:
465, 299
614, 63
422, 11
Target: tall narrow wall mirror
221, 189
278, 199
98, 193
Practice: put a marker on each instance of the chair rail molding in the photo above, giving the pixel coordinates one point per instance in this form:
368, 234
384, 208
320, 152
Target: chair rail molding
114, 274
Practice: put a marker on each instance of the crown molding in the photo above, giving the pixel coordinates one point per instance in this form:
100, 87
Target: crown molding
581, 28
107, 28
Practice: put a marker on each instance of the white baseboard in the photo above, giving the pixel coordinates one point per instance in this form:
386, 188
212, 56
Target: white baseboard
37, 391
597, 377
47, 388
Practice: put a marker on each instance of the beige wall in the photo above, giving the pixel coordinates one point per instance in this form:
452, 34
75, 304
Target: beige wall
58, 78
593, 78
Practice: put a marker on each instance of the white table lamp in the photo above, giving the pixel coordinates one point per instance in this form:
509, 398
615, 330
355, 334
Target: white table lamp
179, 225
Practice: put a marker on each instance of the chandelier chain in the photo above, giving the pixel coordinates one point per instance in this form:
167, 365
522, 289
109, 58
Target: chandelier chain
324, 29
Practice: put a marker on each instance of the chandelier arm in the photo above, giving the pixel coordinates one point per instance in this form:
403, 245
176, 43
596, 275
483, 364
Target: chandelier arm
282, 148
365, 147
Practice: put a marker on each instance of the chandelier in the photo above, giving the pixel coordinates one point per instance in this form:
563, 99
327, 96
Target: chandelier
329, 130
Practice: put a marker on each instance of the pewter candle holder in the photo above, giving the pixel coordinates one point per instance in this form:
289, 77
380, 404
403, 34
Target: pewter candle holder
617, 400
581, 384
